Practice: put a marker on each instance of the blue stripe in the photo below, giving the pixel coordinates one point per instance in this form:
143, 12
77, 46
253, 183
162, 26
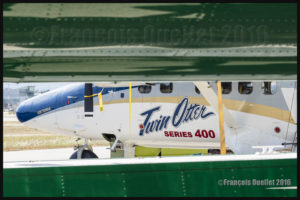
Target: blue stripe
54, 100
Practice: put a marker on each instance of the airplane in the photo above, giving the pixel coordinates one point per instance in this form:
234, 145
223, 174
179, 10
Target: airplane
179, 114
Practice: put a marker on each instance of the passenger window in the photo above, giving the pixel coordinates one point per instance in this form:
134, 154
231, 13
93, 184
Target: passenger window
245, 87
269, 87
166, 88
144, 89
226, 87
197, 90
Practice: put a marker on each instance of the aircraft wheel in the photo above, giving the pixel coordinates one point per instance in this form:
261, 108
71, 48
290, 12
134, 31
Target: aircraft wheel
85, 155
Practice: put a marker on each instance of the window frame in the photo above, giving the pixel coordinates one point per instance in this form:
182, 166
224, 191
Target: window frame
223, 88
246, 83
270, 89
166, 85
140, 86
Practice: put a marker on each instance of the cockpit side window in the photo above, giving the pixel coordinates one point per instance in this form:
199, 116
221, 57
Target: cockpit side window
269, 87
166, 87
245, 87
226, 87
144, 89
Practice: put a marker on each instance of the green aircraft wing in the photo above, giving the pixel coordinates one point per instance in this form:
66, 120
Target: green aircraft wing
148, 42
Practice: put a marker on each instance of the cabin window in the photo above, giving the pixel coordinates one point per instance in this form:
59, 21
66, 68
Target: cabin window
245, 87
122, 95
166, 87
144, 89
197, 90
269, 87
226, 87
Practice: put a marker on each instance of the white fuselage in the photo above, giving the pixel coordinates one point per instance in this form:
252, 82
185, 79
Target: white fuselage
182, 118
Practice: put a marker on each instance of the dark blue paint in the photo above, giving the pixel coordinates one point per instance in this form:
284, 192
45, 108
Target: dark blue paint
54, 100
184, 112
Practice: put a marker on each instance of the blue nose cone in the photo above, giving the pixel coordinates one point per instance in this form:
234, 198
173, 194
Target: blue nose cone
25, 112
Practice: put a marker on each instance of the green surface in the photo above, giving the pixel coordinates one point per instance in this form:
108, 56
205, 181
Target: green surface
137, 180
141, 69
166, 25
173, 26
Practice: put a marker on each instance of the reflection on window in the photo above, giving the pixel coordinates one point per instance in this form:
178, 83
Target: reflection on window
144, 89
166, 88
226, 87
197, 90
269, 87
245, 87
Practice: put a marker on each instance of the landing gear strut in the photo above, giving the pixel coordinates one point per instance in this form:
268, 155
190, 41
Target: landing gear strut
83, 151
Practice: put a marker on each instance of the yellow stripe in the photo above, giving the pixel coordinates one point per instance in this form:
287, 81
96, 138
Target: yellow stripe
259, 109
235, 105
100, 101
90, 95
129, 105
193, 100
129, 117
221, 120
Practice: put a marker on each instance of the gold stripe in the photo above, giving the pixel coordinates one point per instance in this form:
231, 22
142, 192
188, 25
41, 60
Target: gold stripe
129, 117
100, 101
129, 106
90, 95
235, 105
221, 121
199, 100
259, 109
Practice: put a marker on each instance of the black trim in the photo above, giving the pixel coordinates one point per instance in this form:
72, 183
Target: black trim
88, 101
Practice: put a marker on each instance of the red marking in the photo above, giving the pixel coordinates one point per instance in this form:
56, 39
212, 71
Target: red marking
198, 134
277, 129
211, 134
204, 133
178, 134
68, 101
141, 126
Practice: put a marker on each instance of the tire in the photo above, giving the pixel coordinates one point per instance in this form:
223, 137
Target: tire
86, 154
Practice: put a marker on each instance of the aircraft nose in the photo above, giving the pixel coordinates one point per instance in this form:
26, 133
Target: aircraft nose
24, 112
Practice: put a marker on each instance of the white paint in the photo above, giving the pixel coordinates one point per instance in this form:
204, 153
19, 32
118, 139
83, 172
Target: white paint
147, 160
